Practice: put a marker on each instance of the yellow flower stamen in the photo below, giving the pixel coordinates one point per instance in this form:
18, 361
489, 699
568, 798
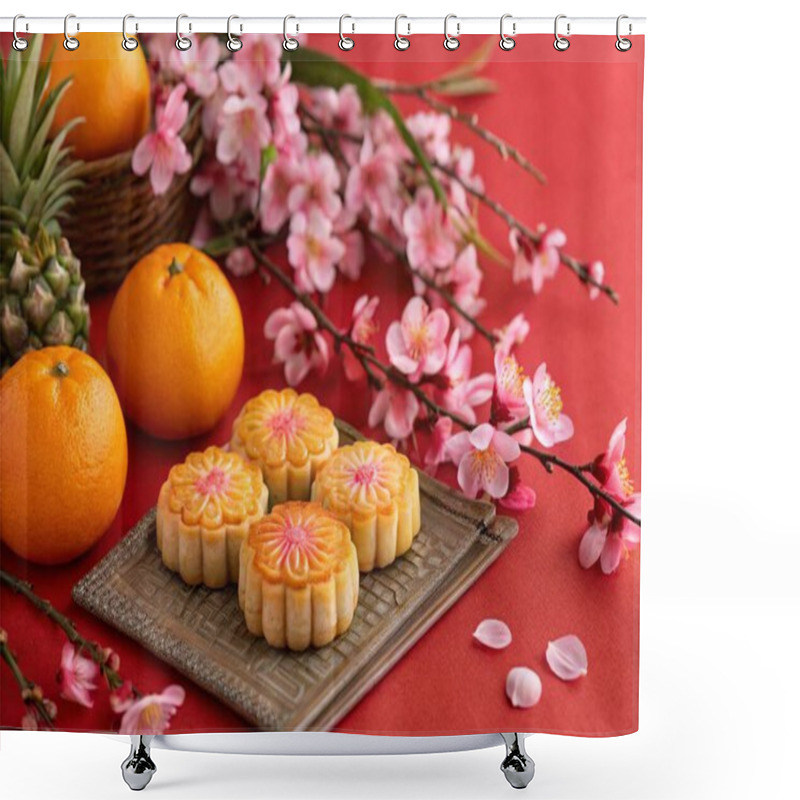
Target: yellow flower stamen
624, 477
550, 399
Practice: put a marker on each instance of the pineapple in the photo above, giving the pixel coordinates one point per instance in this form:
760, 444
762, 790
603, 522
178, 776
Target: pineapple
41, 291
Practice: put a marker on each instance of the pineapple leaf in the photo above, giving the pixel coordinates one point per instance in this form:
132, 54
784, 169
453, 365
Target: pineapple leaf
44, 123
9, 182
24, 106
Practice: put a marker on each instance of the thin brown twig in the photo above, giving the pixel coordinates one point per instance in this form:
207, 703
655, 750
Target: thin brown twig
470, 121
112, 677
31, 692
581, 270
368, 359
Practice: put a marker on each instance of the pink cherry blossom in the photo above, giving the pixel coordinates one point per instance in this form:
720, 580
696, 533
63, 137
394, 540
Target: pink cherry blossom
363, 329
611, 534
373, 182
462, 393
76, 676
465, 279
278, 182
508, 400
244, 133
416, 344
221, 185
340, 111
299, 344
256, 67
313, 251
162, 151
240, 262
149, 715
198, 65
483, 455
397, 408
543, 398
384, 133
432, 131
316, 186
597, 271
537, 260
512, 335
431, 239
284, 118
519, 497
351, 263
437, 451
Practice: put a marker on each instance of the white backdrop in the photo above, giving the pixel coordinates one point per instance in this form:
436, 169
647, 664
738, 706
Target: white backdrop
721, 544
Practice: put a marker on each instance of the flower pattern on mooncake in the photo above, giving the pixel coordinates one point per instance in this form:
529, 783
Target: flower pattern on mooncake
290, 436
204, 511
299, 577
374, 490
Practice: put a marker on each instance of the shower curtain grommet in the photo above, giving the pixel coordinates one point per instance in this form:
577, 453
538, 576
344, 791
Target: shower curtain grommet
70, 42
451, 42
18, 43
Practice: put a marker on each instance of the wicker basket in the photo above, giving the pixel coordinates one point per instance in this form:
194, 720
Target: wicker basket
115, 218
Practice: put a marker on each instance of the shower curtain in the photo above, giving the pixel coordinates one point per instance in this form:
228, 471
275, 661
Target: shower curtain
204, 251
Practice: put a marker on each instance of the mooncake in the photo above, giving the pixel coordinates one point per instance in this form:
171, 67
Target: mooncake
298, 582
374, 490
204, 511
289, 436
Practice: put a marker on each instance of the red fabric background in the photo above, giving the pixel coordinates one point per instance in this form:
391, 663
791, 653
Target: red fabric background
578, 115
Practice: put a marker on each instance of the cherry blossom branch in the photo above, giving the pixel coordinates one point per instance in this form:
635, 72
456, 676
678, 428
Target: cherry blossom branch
372, 364
30, 691
581, 270
470, 121
94, 650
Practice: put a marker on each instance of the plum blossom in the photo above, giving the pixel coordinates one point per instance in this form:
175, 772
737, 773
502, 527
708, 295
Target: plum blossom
431, 244
362, 330
284, 118
278, 182
256, 68
198, 65
316, 186
221, 185
483, 455
299, 344
508, 400
536, 260
244, 133
147, 715
519, 496
240, 262
543, 398
512, 335
462, 392
373, 182
597, 271
313, 251
352, 261
162, 151
465, 278
437, 451
611, 534
397, 408
432, 131
76, 676
340, 111
416, 344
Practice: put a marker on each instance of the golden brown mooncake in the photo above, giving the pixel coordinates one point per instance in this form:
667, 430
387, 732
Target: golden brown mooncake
298, 583
374, 490
204, 511
290, 436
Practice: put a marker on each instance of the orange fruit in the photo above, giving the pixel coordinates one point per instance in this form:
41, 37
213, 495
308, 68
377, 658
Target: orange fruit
175, 343
63, 455
110, 89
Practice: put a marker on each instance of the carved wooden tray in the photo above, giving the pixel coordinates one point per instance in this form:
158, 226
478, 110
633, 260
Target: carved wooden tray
201, 632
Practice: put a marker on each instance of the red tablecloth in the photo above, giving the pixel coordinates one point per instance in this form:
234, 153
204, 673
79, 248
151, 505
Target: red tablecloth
578, 115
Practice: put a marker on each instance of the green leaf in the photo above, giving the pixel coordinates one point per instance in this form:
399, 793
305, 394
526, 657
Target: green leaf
220, 245
313, 68
24, 103
268, 155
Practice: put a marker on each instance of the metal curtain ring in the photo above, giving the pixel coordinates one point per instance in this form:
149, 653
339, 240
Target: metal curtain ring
289, 43
234, 43
128, 42
623, 45
561, 44
506, 42
70, 42
451, 42
345, 42
181, 42
400, 42
18, 44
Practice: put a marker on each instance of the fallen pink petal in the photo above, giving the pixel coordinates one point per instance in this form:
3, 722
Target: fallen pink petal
567, 658
523, 687
493, 633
